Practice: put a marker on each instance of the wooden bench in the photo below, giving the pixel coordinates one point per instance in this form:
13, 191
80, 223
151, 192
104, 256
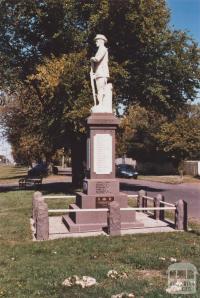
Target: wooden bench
29, 181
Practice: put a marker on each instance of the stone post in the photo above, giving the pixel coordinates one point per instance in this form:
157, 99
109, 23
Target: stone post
159, 214
162, 212
42, 221
37, 197
140, 202
181, 215
145, 204
114, 219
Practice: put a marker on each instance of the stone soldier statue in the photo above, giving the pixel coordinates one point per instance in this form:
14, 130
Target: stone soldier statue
100, 72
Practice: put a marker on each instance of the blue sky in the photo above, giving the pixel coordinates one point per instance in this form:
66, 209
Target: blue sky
185, 15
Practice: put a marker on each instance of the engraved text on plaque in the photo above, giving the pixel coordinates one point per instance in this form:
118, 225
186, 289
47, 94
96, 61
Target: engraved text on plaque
103, 154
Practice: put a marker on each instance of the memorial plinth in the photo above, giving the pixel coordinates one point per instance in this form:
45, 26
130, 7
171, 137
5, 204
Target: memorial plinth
100, 187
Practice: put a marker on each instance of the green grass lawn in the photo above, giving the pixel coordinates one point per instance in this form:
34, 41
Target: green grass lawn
37, 269
11, 174
172, 179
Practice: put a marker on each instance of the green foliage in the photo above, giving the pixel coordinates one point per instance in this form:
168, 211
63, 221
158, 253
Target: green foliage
24, 128
149, 136
181, 138
136, 137
45, 48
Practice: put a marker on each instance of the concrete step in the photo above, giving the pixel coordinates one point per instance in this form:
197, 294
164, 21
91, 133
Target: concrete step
88, 217
131, 225
78, 228
100, 217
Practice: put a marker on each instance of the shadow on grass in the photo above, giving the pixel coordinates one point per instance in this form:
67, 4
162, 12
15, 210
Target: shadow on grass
66, 187
14, 177
137, 187
46, 188
195, 232
57, 187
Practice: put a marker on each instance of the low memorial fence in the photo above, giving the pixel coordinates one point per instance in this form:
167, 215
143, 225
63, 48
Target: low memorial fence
40, 212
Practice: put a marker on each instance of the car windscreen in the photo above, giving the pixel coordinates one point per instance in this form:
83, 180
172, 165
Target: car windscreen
126, 167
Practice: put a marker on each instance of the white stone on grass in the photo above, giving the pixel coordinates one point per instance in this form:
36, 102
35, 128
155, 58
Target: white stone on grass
67, 282
173, 260
112, 274
84, 282
115, 275
123, 295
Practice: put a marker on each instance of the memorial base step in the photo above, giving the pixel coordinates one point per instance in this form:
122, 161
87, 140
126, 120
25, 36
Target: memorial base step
95, 227
92, 217
80, 228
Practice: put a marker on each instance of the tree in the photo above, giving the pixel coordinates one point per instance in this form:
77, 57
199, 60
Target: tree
149, 136
181, 138
64, 94
23, 129
137, 135
46, 45
152, 64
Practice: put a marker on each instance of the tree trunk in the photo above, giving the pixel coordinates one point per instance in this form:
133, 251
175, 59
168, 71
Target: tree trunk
78, 160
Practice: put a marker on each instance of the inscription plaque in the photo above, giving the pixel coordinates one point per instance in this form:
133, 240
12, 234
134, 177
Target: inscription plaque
103, 187
103, 154
102, 202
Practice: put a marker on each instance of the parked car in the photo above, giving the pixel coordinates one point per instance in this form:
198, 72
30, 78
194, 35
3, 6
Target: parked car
126, 171
58, 170
39, 170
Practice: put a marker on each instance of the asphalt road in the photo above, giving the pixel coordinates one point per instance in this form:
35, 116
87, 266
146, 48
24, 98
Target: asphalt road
190, 192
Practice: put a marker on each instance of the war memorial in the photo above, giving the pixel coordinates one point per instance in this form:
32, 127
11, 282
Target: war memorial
101, 206
101, 187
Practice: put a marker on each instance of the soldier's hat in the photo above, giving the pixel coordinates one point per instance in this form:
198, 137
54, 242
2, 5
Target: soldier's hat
101, 36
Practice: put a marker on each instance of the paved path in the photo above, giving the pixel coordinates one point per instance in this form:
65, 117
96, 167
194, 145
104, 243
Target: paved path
190, 192
57, 229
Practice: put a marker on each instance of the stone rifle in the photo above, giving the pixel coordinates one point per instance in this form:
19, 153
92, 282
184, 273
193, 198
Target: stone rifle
92, 76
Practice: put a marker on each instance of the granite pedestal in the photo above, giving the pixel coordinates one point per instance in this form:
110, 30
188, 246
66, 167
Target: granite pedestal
100, 187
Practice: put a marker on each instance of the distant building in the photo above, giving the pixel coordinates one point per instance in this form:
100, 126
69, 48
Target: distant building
192, 167
4, 160
125, 160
